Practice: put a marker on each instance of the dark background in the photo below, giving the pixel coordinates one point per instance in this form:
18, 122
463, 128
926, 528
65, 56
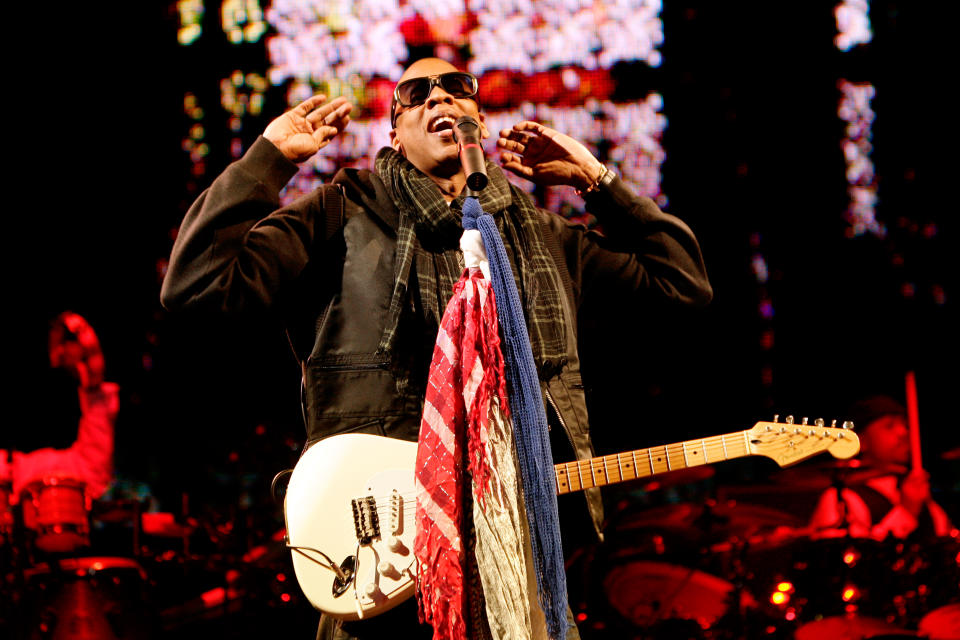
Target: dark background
95, 122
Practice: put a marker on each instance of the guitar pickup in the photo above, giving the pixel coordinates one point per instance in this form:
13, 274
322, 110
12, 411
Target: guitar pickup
396, 513
366, 522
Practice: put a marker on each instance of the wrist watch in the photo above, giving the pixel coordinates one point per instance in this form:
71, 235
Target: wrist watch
603, 180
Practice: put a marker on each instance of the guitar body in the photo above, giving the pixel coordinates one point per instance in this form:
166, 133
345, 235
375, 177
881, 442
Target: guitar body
352, 497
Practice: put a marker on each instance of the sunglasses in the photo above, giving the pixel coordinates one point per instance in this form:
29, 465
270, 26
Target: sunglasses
414, 92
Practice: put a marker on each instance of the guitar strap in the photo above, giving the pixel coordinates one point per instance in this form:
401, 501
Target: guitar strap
333, 203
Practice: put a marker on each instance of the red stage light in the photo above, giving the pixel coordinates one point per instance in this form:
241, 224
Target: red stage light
850, 593
850, 557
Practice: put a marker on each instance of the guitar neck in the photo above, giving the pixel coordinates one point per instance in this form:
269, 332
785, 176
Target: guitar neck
642, 463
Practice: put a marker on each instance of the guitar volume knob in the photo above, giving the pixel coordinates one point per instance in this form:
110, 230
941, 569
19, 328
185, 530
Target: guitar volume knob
371, 589
387, 569
395, 544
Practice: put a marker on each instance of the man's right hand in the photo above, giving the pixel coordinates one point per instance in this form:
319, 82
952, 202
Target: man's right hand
308, 127
915, 491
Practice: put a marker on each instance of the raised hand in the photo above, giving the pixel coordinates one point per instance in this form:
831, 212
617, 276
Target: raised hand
915, 491
547, 157
308, 127
73, 345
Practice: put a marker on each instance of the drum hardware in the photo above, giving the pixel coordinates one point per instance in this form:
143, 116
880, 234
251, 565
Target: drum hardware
6, 513
55, 511
679, 571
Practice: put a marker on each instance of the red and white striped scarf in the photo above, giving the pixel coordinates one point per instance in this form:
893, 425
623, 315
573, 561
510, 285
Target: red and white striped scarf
466, 376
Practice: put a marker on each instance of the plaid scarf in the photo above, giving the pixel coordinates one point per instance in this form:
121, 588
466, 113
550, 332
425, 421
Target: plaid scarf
428, 240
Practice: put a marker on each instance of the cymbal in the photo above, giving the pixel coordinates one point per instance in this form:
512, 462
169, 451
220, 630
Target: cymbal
112, 511
852, 627
952, 454
825, 475
678, 477
710, 520
943, 622
164, 525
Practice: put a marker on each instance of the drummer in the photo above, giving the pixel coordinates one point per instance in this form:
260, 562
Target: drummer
894, 501
74, 347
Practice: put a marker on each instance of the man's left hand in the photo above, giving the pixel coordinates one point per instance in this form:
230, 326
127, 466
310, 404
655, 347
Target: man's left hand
547, 157
73, 345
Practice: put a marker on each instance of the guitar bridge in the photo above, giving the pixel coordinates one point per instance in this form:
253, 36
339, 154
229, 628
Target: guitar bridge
365, 519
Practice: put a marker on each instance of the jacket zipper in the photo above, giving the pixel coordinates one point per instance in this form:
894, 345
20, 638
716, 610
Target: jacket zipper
563, 424
354, 367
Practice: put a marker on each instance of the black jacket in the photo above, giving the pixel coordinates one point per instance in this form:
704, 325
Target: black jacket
331, 279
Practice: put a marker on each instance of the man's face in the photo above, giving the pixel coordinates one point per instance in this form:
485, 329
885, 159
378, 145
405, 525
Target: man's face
424, 133
886, 440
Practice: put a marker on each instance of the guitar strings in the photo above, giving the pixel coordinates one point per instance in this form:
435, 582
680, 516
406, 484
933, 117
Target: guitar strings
604, 464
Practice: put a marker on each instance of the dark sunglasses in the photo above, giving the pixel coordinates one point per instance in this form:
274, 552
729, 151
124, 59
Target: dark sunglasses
415, 91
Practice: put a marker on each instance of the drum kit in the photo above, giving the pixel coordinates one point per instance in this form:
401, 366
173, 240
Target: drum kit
62, 578
732, 569
53, 585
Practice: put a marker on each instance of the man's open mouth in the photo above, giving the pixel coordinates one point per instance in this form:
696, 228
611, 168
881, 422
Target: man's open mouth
442, 126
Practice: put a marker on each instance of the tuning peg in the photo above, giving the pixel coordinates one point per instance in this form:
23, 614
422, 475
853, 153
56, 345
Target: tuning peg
848, 424
833, 424
776, 417
789, 419
819, 422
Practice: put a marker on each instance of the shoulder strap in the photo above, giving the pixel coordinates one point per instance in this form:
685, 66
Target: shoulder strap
334, 209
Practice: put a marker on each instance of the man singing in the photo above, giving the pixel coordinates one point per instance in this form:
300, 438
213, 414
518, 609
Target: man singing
362, 282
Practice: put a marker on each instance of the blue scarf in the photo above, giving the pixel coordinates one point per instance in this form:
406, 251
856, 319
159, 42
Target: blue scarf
530, 426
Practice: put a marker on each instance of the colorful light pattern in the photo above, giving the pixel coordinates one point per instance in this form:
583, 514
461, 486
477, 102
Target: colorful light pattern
539, 35
194, 143
853, 24
547, 60
857, 145
191, 19
241, 95
242, 20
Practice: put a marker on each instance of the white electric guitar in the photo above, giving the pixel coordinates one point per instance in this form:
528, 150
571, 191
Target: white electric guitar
350, 502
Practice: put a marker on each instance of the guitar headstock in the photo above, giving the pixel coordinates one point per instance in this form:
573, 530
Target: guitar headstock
788, 442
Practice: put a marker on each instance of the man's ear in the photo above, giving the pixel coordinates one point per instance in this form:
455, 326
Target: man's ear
483, 127
395, 141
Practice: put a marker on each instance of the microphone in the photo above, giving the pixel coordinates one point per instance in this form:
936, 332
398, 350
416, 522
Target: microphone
466, 132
